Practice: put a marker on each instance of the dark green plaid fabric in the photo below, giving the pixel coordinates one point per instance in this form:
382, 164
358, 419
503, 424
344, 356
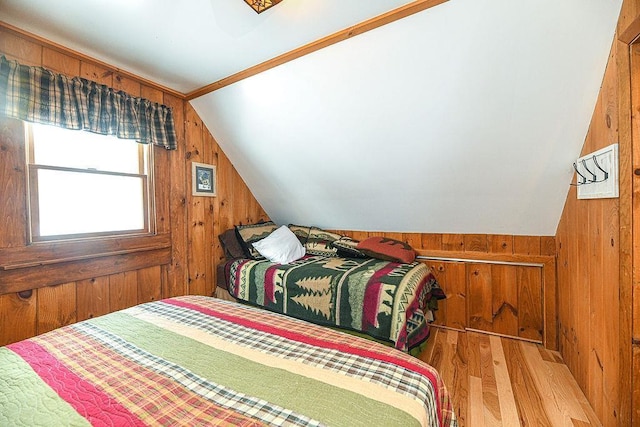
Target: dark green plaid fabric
38, 95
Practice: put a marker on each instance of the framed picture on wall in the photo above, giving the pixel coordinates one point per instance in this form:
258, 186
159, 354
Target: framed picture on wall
203, 178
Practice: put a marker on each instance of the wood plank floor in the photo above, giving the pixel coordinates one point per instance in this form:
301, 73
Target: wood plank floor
496, 381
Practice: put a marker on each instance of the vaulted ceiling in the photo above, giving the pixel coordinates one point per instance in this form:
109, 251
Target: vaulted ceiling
463, 118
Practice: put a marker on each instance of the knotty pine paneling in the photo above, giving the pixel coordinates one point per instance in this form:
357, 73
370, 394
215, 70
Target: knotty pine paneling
588, 272
479, 301
200, 214
12, 176
56, 307
530, 305
452, 277
629, 223
123, 290
149, 284
93, 297
60, 293
176, 272
472, 243
505, 304
505, 299
18, 317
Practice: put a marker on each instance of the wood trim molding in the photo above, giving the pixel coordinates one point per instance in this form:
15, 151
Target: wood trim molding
43, 254
628, 140
488, 256
48, 275
82, 57
363, 27
631, 33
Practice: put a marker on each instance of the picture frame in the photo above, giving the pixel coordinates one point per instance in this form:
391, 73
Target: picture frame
203, 179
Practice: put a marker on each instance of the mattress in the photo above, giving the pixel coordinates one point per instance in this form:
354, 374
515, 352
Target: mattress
201, 361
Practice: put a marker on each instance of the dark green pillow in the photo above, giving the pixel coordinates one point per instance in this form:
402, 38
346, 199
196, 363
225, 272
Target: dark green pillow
346, 248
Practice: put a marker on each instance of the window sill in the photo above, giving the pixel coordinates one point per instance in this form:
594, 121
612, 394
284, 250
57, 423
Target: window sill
42, 254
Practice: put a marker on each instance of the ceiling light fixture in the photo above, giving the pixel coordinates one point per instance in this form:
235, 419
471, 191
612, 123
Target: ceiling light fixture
261, 5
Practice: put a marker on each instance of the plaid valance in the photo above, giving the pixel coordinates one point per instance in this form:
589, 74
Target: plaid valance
38, 95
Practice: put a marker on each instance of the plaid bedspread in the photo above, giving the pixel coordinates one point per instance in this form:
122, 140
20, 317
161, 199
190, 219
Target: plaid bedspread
386, 300
201, 361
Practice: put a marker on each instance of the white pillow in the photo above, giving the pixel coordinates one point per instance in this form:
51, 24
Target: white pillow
281, 246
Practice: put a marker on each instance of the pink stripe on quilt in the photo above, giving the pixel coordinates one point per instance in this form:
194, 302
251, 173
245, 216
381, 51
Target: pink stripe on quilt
90, 402
294, 336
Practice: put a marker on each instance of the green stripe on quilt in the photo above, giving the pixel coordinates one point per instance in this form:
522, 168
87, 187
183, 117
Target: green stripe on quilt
331, 405
27, 401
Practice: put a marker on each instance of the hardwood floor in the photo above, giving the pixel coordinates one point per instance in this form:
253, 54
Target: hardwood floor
496, 381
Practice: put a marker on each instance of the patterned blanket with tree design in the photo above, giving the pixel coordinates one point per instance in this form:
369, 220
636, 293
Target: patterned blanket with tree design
387, 300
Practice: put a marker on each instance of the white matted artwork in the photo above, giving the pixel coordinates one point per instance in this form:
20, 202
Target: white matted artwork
203, 178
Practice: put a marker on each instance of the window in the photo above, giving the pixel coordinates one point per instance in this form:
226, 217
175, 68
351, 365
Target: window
85, 185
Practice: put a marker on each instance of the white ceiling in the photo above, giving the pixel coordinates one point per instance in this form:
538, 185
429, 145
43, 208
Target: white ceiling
185, 45
464, 118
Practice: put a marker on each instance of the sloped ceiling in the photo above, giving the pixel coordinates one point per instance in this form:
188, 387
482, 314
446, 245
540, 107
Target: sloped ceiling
185, 45
463, 118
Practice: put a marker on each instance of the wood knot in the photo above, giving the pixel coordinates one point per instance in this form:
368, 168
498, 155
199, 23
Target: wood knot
636, 172
25, 294
188, 155
608, 121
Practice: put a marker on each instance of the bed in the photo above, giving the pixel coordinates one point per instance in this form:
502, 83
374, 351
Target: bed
198, 360
383, 293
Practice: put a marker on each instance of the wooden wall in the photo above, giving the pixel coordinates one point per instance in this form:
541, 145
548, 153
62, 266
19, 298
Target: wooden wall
588, 273
500, 284
48, 285
598, 265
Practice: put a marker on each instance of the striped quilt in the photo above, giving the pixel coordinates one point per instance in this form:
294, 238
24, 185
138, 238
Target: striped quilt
386, 300
202, 361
